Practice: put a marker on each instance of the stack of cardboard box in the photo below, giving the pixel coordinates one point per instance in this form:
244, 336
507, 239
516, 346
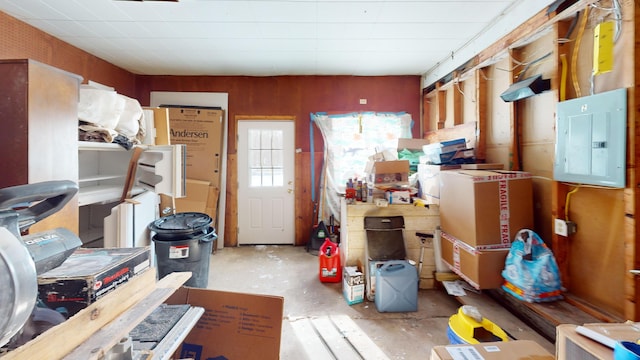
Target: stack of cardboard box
201, 129
480, 213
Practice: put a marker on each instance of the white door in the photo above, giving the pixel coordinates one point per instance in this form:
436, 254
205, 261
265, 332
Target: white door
266, 197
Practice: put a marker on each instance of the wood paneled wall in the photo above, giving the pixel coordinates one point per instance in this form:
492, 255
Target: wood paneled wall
296, 96
595, 261
21, 41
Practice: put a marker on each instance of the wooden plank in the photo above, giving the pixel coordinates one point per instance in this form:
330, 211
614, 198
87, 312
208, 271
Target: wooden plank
481, 115
311, 342
631, 194
337, 343
231, 208
358, 339
62, 339
441, 107
101, 341
131, 173
560, 244
426, 113
467, 131
544, 317
457, 104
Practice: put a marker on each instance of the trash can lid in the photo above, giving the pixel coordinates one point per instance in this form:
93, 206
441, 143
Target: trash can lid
181, 223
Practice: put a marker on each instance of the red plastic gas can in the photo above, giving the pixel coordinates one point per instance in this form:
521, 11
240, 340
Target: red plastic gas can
330, 268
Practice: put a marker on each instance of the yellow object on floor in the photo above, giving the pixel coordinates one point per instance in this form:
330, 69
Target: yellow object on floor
468, 326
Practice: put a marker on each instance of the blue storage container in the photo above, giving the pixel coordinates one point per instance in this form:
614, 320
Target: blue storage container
396, 287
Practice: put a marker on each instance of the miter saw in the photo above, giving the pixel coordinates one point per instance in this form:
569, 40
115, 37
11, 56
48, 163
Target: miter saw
22, 258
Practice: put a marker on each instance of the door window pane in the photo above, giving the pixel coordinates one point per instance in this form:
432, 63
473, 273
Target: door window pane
266, 158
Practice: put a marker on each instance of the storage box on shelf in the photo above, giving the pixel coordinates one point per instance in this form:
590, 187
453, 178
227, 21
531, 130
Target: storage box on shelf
416, 219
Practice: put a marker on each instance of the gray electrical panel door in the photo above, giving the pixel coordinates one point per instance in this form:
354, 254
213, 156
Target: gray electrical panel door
591, 139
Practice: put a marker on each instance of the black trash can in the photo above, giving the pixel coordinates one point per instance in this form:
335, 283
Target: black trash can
183, 242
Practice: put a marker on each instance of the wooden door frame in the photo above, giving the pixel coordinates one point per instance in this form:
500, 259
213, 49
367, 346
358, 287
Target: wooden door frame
231, 211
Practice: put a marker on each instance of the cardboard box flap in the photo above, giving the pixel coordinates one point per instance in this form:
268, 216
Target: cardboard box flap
508, 350
493, 175
233, 326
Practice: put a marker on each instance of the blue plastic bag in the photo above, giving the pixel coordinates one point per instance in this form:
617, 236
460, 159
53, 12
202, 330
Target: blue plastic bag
531, 272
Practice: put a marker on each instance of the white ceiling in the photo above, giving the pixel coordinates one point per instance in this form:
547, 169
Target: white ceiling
278, 37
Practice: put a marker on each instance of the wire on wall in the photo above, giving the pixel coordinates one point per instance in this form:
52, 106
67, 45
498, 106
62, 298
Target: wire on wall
567, 201
576, 50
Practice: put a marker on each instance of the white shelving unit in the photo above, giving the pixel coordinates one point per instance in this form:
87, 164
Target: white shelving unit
102, 173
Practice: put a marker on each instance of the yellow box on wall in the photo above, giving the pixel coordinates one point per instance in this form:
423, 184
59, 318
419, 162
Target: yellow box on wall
603, 35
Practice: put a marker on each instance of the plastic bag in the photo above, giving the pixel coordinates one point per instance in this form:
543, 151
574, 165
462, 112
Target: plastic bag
531, 272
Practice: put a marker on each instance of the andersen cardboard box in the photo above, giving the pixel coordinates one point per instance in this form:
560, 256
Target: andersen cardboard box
201, 130
507, 350
234, 326
485, 208
482, 269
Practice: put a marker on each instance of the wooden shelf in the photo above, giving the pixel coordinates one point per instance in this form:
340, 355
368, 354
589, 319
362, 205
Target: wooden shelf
103, 194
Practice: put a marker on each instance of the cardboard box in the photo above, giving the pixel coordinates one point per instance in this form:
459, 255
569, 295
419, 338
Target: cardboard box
353, 285
429, 181
503, 350
394, 172
201, 129
571, 344
485, 208
401, 197
412, 144
482, 269
196, 197
88, 274
233, 326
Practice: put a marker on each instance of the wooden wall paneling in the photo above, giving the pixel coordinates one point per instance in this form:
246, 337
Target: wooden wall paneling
560, 244
306, 217
458, 99
632, 195
515, 117
21, 41
441, 107
231, 211
426, 113
481, 115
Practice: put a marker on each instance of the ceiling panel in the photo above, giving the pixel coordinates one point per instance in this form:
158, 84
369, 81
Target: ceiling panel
265, 37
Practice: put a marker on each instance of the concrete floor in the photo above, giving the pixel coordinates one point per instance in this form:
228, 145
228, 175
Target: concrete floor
292, 272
